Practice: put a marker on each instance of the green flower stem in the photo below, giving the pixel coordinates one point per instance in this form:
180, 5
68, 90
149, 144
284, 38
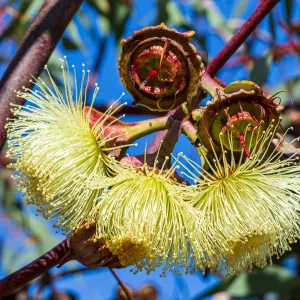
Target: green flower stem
34, 51
135, 130
210, 86
190, 131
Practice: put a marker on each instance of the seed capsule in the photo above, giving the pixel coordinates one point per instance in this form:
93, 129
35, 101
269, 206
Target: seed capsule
160, 67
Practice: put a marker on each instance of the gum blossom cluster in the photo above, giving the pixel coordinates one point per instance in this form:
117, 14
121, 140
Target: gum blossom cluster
242, 206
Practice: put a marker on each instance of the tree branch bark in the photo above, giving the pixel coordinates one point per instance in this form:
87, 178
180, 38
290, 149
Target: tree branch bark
33, 53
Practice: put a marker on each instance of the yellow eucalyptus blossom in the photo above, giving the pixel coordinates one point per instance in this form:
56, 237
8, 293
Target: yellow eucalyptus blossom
145, 221
56, 150
252, 201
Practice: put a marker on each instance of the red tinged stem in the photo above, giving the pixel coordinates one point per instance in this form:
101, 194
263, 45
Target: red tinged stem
242, 139
33, 53
36, 268
240, 36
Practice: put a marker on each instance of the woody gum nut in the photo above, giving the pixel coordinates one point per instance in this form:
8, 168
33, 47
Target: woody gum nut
242, 107
89, 251
160, 67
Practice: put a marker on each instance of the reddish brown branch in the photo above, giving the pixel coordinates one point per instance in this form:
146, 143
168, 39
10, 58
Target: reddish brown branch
125, 290
33, 53
36, 268
240, 36
50, 279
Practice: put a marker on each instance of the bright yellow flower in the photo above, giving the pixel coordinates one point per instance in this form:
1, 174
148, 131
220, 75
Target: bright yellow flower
252, 201
56, 150
145, 221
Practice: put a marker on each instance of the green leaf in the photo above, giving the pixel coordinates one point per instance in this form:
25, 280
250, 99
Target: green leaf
288, 10
223, 286
104, 25
270, 279
272, 26
175, 16
260, 71
239, 8
74, 35
68, 44
38, 228
34, 7
275, 279
18, 25
162, 14
119, 14
214, 17
101, 6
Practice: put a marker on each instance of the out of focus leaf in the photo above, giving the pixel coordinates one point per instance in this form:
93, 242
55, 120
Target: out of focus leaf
292, 86
223, 286
114, 15
261, 69
288, 9
39, 229
104, 24
175, 16
101, 6
239, 8
39, 241
69, 44
169, 13
75, 39
215, 18
34, 7
162, 13
272, 26
18, 25
119, 14
261, 281
84, 19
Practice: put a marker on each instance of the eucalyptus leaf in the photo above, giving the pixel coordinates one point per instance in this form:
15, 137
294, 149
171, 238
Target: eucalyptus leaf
239, 8
288, 9
275, 279
260, 71
175, 16
68, 44
74, 35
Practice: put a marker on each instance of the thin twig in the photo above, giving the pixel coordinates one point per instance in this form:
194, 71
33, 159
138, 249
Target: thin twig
34, 51
240, 36
60, 275
124, 288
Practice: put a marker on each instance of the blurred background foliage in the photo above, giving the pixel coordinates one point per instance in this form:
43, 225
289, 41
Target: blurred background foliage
270, 57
